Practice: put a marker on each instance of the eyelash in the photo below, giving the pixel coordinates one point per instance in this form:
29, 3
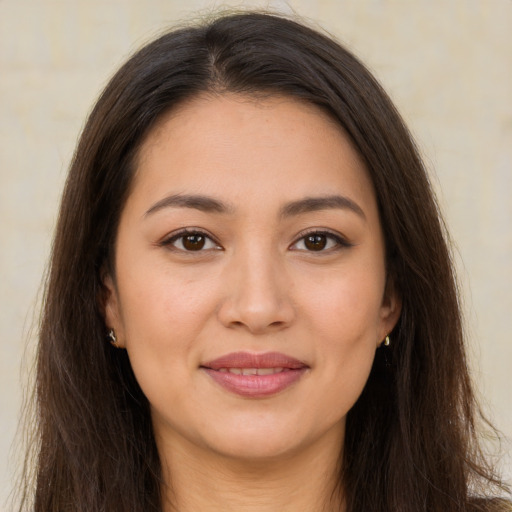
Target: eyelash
339, 241
182, 234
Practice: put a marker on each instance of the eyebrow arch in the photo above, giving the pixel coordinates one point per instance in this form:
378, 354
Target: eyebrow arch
313, 204
194, 201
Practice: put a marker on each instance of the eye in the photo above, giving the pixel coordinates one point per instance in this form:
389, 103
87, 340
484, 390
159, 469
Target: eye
191, 241
318, 241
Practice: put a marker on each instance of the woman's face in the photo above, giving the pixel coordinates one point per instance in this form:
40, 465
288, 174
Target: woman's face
250, 285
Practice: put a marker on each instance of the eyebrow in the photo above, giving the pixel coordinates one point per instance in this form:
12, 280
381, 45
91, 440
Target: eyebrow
194, 201
314, 204
210, 205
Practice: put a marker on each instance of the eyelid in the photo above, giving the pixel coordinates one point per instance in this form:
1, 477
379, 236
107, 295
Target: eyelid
170, 238
340, 239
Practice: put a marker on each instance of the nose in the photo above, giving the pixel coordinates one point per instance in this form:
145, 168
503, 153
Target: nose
258, 295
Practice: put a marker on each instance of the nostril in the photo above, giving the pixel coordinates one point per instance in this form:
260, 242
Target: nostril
256, 327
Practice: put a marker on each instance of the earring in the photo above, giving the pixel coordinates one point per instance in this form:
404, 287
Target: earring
387, 341
112, 337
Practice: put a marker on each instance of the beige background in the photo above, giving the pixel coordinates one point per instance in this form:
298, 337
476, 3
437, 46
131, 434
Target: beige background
446, 63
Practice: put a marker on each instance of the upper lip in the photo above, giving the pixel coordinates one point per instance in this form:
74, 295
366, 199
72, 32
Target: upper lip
252, 360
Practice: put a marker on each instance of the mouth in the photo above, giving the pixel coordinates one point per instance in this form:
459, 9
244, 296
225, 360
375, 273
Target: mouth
255, 375
252, 371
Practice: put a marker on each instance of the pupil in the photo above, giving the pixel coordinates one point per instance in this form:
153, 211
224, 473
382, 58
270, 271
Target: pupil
193, 242
316, 242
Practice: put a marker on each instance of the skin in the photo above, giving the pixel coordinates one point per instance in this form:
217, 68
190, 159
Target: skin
255, 286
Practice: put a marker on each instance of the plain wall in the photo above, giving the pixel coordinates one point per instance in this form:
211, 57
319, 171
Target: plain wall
447, 65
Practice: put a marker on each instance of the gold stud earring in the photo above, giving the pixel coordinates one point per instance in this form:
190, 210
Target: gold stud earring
387, 341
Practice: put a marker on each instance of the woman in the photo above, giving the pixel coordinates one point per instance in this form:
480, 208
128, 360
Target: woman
251, 304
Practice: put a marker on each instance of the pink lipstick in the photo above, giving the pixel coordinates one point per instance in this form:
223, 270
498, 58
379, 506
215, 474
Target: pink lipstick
255, 375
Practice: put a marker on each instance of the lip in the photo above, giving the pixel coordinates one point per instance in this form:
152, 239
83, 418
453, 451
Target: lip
255, 386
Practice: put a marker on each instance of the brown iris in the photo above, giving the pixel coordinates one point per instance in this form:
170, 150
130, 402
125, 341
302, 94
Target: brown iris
315, 242
194, 242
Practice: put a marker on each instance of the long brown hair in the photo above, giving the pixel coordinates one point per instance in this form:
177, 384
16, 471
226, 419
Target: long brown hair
411, 438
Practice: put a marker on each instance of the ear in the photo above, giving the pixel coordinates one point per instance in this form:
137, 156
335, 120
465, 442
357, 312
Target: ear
109, 303
390, 309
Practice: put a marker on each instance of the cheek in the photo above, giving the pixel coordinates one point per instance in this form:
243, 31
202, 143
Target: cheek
163, 315
162, 300
345, 305
344, 320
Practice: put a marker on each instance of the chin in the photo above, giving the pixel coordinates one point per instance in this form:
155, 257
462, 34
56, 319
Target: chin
256, 448
264, 439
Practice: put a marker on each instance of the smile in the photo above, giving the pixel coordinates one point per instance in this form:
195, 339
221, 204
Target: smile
255, 375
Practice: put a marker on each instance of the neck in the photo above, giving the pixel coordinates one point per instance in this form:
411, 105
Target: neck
305, 481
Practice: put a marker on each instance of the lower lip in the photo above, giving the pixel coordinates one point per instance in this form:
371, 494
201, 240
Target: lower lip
256, 386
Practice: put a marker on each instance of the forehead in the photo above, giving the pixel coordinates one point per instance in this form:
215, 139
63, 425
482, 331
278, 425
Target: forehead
246, 147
